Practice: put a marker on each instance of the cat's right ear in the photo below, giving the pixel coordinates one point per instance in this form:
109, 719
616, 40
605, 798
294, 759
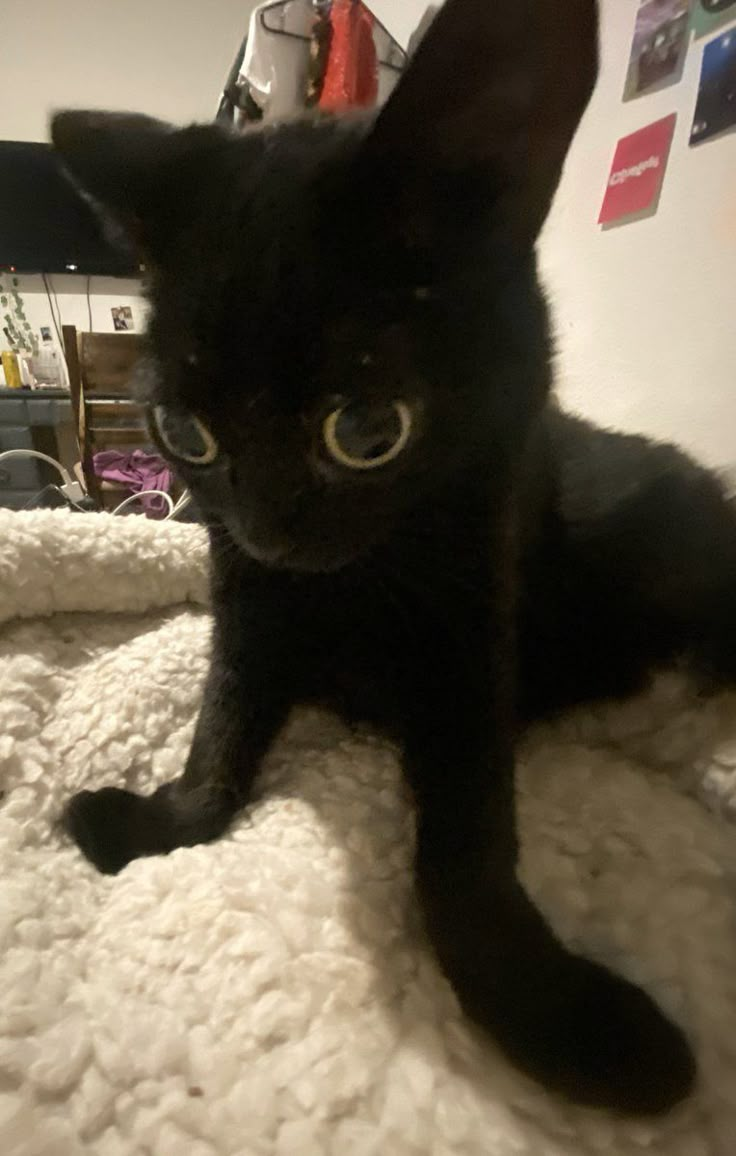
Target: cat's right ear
133, 168
493, 96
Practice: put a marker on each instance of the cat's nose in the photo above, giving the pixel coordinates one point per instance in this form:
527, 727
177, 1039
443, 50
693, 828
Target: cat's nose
269, 554
264, 543
266, 529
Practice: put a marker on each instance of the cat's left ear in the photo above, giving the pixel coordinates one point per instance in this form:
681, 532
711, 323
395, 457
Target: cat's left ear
135, 169
494, 92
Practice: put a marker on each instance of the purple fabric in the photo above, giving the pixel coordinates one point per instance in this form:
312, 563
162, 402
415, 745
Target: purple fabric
137, 471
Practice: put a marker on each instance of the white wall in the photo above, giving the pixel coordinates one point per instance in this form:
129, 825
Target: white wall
401, 17
71, 297
168, 58
646, 312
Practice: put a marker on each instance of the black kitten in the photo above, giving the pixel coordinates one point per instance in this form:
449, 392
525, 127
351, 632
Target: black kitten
351, 372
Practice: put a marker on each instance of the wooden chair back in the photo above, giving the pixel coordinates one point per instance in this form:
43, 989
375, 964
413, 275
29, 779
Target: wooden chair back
101, 382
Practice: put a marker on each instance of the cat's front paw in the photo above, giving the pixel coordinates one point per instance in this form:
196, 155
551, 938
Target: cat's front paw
112, 826
596, 1039
106, 826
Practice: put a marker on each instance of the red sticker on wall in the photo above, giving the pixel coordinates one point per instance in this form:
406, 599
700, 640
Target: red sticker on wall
637, 171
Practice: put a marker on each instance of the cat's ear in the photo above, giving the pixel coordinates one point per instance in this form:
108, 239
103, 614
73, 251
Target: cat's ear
134, 168
495, 90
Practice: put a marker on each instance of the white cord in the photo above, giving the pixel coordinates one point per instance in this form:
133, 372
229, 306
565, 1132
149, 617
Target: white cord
145, 493
181, 504
72, 489
44, 458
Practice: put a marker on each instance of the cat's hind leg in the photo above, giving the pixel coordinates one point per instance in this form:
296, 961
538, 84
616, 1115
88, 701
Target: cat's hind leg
655, 533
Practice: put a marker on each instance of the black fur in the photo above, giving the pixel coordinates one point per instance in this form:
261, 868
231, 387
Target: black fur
511, 562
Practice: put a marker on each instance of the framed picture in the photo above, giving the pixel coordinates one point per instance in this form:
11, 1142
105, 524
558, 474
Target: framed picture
710, 15
637, 173
122, 318
715, 111
659, 47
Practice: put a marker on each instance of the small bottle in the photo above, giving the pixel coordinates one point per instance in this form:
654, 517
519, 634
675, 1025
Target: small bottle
25, 365
46, 365
11, 369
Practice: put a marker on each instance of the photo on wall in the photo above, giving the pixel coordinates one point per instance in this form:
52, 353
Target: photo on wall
715, 111
659, 47
122, 318
710, 15
637, 173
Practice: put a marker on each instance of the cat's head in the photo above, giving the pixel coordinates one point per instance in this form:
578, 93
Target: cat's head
345, 314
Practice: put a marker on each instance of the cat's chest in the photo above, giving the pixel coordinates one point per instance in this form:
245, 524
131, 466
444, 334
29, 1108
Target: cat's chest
366, 649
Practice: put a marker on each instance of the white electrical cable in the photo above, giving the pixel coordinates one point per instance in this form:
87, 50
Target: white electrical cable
44, 458
181, 504
75, 492
70, 488
145, 493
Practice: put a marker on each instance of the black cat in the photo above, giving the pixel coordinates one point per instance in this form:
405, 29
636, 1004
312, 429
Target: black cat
350, 367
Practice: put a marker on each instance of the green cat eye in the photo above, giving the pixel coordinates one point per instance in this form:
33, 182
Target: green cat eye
365, 436
185, 436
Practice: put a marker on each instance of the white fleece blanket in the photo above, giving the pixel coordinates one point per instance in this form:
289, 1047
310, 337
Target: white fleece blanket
271, 993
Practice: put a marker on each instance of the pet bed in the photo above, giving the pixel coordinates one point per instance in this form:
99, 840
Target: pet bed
272, 994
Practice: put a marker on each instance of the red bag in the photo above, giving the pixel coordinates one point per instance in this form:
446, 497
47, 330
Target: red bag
351, 76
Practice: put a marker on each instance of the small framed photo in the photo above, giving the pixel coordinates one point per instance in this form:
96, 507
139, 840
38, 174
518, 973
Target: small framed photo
122, 318
710, 15
637, 173
715, 111
659, 47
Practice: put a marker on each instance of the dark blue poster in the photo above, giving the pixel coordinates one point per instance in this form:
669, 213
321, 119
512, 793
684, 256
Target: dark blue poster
715, 111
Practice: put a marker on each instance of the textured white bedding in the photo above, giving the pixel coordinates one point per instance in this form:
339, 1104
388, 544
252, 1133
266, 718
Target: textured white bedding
271, 993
